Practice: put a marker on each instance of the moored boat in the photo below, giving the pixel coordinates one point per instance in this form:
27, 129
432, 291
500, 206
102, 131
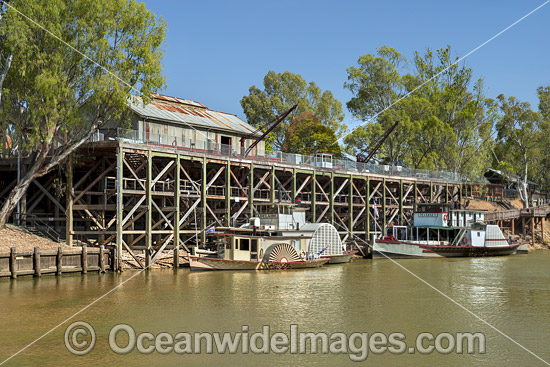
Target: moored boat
339, 259
249, 252
439, 231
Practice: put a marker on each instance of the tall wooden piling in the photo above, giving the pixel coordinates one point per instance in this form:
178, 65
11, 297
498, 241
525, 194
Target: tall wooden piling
36, 262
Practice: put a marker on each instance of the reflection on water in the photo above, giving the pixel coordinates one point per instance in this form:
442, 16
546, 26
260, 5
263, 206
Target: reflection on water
511, 293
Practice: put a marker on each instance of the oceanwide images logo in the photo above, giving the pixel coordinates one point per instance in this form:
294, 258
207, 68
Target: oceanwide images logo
80, 339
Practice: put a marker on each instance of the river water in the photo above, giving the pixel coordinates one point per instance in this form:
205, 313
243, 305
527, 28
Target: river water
510, 293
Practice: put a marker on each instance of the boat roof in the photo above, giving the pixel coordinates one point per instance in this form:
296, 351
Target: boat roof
220, 234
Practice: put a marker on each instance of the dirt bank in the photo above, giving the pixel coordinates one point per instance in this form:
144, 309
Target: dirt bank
24, 241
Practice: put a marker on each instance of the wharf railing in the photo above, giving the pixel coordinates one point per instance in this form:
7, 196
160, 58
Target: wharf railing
37, 262
542, 211
323, 161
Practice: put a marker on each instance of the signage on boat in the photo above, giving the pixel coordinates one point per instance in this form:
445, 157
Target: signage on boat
430, 219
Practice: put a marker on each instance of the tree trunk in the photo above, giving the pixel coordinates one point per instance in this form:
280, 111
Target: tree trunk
38, 169
524, 186
19, 190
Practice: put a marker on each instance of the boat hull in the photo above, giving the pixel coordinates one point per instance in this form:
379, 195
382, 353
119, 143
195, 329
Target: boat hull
205, 263
400, 249
338, 259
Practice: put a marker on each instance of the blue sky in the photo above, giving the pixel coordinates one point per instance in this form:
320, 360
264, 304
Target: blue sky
215, 50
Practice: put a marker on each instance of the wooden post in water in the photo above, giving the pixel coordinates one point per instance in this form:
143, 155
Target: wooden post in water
84, 259
13, 265
59, 261
36, 262
533, 230
115, 266
102, 259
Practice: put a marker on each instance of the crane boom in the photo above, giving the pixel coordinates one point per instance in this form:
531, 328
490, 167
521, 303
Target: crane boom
274, 123
378, 145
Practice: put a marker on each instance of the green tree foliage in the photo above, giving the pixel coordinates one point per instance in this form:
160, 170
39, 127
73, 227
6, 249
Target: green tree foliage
519, 150
544, 101
445, 124
53, 97
307, 135
281, 92
544, 110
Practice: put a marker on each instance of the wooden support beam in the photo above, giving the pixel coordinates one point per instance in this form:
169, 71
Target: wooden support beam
262, 181
384, 222
133, 255
36, 262
238, 213
134, 208
7, 188
87, 174
119, 210
189, 211
415, 196
251, 190
313, 196
367, 208
195, 186
149, 205
137, 178
333, 195
294, 193
166, 220
213, 179
401, 199
297, 192
84, 258
220, 223
69, 204
162, 172
272, 188
358, 216
350, 208
13, 262
374, 191
228, 195
97, 179
203, 200
49, 196
243, 190
159, 251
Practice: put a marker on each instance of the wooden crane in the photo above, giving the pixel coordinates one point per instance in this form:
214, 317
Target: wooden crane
363, 159
269, 128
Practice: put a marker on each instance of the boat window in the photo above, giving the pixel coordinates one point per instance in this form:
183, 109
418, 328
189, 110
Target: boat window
478, 234
254, 246
245, 244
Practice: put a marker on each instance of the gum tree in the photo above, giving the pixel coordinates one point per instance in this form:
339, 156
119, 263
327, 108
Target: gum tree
445, 123
518, 141
281, 92
53, 98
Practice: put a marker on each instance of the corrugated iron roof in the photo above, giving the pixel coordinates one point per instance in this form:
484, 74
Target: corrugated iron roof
178, 100
196, 117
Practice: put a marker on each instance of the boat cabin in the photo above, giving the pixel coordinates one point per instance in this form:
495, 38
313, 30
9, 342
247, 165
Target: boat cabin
280, 216
444, 215
256, 248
